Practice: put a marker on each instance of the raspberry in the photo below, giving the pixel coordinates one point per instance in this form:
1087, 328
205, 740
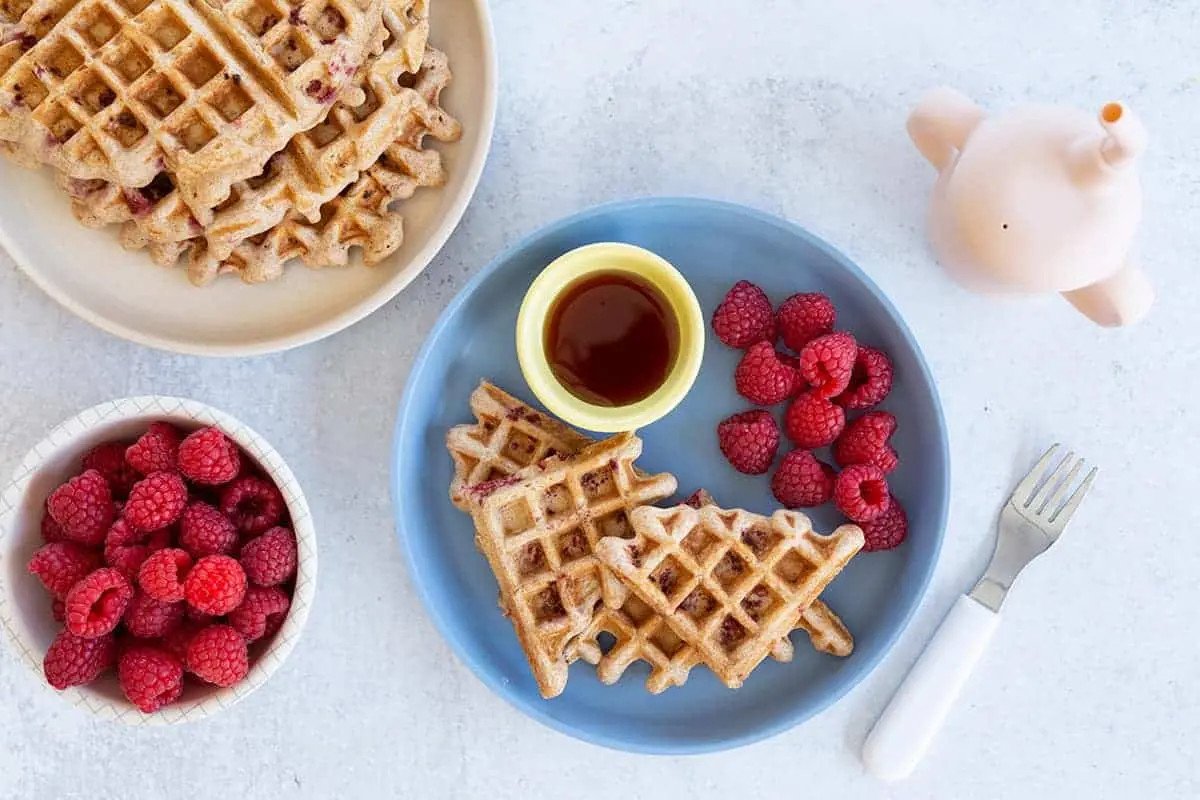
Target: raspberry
261, 614
51, 530
812, 421
762, 378
804, 317
218, 655
160, 539
204, 531
888, 531
216, 585
96, 603
865, 441
744, 317
163, 573
270, 559
127, 560
147, 618
73, 660
83, 507
802, 481
208, 456
176, 642
109, 460
156, 450
870, 381
252, 504
699, 499
861, 492
150, 678
749, 440
58, 610
827, 362
61, 565
156, 501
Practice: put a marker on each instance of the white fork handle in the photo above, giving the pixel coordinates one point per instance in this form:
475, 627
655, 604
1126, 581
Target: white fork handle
909, 723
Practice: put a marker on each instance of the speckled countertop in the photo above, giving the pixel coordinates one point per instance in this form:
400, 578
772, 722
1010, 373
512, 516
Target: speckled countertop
1090, 688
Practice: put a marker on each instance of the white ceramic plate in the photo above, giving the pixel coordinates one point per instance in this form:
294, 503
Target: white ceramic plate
89, 273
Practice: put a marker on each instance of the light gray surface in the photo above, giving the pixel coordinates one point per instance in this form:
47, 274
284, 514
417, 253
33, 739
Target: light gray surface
1090, 688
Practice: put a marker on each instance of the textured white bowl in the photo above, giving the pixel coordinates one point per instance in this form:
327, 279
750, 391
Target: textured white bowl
25, 605
124, 293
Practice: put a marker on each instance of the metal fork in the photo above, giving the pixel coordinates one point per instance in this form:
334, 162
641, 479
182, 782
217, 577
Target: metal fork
1033, 518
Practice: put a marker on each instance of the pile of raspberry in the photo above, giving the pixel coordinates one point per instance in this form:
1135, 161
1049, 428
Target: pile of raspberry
823, 375
166, 559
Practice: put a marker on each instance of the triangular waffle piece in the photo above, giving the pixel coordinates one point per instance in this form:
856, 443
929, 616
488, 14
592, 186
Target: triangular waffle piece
506, 437
206, 91
730, 583
538, 529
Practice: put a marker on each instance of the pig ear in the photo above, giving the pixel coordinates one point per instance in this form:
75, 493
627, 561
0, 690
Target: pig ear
1121, 299
940, 124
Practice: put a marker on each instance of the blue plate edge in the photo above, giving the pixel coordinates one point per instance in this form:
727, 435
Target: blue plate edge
853, 677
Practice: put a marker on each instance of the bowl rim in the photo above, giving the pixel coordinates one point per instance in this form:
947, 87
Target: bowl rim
473, 170
556, 279
151, 407
455, 637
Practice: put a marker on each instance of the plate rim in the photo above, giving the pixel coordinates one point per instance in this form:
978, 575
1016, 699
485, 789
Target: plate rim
535, 709
348, 317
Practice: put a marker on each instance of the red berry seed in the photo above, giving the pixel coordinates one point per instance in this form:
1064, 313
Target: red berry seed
802, 481
888, 531
827, 362
744, 317
216, 585
109, 460
148, 618
74, 660
804, 317
762, 378
749, 441
270, 559
218, 655
156, 501
61, 565
83, 507
209, 457
261, 613
865, 441
150, 678
156, 450
163, 573
95, 604
253, 504
861, 492
204, 531
812, 421
870, 381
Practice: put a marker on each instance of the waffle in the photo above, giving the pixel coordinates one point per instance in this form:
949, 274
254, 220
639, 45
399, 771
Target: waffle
538, 529
730, 583
507, 436
123, 90
279, 215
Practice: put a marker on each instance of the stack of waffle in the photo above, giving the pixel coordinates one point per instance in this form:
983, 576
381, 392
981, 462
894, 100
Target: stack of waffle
570, 531
235, 135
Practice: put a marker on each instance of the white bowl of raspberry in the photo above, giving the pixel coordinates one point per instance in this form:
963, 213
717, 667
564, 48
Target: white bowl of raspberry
157, 560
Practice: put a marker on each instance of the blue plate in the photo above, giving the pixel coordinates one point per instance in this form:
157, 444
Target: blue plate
713, 244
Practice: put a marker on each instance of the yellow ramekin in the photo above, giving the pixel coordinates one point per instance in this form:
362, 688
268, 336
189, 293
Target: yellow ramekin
535, 312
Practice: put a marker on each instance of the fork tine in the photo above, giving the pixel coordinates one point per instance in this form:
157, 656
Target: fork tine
1062, 516
1054, 499
1023, 494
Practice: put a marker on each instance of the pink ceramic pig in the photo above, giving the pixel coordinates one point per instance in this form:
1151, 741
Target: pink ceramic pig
1038, 199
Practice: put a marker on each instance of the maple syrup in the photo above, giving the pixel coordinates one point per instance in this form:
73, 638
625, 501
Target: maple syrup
611, 339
